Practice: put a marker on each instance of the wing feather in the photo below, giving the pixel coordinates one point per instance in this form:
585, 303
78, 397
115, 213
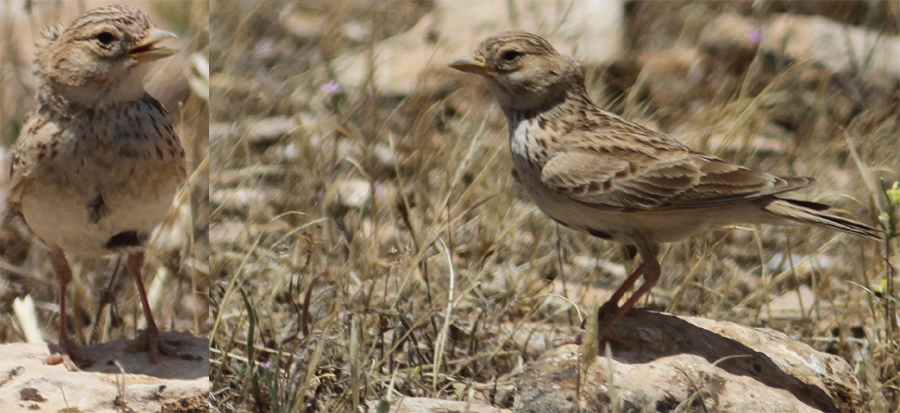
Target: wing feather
671, 177
33, 147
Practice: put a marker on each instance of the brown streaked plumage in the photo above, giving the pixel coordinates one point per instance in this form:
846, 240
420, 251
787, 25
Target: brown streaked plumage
98, 162
596, 172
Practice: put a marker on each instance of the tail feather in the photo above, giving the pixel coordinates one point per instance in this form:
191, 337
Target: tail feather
809, 204
806, 212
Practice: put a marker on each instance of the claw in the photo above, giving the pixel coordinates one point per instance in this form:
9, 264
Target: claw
148, 340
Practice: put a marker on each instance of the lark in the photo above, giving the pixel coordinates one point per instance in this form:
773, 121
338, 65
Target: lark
98, 162
595, 172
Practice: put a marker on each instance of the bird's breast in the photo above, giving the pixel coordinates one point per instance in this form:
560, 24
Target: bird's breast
527, 146
104, 175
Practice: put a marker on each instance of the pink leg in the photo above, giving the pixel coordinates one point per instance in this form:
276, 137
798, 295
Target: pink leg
612, 305
650, 269
149, 338
63, 276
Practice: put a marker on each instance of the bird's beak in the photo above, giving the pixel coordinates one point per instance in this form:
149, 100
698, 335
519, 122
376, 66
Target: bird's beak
147, 49
471, 64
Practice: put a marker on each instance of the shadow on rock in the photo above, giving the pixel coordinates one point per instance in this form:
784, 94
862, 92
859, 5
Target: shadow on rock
661, 362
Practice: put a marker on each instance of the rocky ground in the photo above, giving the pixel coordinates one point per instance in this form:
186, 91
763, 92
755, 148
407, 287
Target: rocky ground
371, 247
368, 247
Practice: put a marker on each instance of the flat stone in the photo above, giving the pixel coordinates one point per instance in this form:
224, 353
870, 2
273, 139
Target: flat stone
426, 405
661, 362
174, 385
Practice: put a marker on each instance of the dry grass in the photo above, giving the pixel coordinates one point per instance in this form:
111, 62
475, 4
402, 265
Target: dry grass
177, 267
431, 287
448, 279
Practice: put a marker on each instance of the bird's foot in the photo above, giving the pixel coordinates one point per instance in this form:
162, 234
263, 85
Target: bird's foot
607, 310
148, 340
607, 317
68, 347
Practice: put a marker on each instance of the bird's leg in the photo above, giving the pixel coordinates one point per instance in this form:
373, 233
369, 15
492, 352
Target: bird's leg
149, 338
612, 305
650, 269
63, 276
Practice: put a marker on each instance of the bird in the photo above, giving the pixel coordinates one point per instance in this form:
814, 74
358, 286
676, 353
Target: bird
593, 171
98, 163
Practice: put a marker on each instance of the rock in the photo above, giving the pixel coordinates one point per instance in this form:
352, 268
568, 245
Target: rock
240, 198
256, 131
666, 78
425, 405
730, 43
795, 305
384, 155
730, 33
303, 24
269, 130
174, 385
537, 338
800, 264
665, 363
350, 193
838, 47
591, 31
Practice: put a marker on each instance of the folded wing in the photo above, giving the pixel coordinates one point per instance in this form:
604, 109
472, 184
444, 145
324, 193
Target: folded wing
671, 178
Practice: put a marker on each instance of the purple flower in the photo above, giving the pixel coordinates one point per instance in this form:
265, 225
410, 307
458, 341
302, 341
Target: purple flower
754, 37
332, 88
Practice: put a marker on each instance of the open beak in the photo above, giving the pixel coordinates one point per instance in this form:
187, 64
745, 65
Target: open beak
471, 64
148, 50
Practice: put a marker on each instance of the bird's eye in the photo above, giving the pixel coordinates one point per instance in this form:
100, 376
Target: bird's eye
510, 55
106, 37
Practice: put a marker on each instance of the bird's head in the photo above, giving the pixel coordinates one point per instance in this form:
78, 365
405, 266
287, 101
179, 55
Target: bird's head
100, 58
522, 70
